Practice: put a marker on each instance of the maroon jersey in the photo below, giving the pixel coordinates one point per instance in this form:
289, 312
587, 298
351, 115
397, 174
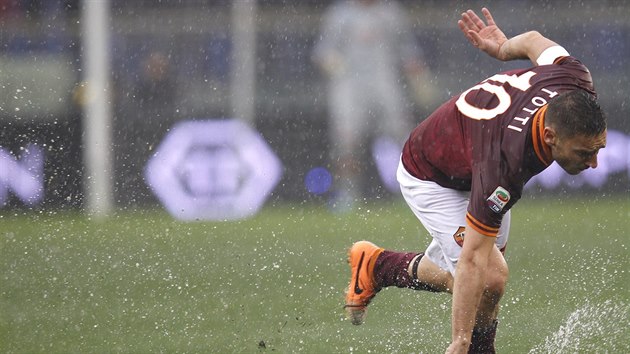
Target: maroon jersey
489, 139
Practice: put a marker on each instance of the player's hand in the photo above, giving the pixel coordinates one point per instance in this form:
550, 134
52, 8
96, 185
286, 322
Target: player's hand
485, 36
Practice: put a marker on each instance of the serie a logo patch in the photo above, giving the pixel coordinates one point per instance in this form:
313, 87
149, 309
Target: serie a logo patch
498, 199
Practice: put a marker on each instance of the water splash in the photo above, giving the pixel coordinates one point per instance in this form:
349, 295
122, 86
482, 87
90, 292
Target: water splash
592, 328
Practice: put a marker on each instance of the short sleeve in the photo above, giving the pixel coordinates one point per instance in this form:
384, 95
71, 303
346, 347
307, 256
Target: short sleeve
490, 199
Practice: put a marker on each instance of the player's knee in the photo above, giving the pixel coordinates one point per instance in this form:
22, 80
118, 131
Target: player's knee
496, 281
495, 288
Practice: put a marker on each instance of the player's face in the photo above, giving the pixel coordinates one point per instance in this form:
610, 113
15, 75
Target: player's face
577, 153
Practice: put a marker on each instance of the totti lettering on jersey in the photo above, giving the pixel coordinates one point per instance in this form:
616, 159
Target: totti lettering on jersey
528, 111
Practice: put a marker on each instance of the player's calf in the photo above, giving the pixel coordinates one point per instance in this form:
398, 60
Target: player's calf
400, 269
482, 341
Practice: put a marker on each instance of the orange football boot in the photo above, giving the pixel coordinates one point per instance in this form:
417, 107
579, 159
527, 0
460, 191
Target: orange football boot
362, 288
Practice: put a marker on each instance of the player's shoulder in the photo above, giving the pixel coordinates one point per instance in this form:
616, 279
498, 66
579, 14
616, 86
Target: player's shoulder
570, 62
557, 55
565, 68
564, 63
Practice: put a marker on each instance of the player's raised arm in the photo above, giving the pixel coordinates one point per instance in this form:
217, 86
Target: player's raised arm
489, 38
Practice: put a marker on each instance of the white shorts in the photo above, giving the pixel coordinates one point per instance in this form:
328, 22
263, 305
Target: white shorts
442, 211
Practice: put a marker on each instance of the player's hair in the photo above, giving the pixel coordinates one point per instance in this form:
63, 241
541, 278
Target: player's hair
576, 112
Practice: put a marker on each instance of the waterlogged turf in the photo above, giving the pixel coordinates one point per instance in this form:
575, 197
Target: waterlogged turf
141, 282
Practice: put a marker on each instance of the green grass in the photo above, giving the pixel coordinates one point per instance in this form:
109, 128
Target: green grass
141, 282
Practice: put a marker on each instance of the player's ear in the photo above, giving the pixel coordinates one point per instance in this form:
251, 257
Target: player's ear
550, 136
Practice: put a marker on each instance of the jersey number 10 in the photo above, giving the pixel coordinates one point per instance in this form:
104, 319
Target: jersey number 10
494, 85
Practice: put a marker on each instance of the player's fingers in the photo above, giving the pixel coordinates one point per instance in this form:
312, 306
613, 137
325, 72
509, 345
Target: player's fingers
463, 27
475, 39
475, 19
488, 16
468, 22
465, 30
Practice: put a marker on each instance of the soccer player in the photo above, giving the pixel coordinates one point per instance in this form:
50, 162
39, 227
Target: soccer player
464, 167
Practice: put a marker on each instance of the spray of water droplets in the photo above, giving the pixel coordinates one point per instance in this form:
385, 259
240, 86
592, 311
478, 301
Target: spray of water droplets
592, 328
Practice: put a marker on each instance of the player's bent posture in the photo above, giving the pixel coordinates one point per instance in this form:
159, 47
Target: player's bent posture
464, 167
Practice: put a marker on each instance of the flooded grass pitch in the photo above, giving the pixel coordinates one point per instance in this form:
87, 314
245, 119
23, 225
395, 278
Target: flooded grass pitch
142, 282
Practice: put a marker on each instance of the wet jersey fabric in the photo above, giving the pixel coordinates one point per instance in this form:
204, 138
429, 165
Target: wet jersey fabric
489, 139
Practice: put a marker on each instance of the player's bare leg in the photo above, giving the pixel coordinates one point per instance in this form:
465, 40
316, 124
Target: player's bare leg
429, 273
484, 333
496, 280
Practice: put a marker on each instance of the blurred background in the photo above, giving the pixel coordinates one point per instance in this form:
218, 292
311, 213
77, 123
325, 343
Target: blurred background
173, 61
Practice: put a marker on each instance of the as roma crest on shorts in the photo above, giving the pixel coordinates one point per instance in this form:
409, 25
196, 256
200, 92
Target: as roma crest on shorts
459, 236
